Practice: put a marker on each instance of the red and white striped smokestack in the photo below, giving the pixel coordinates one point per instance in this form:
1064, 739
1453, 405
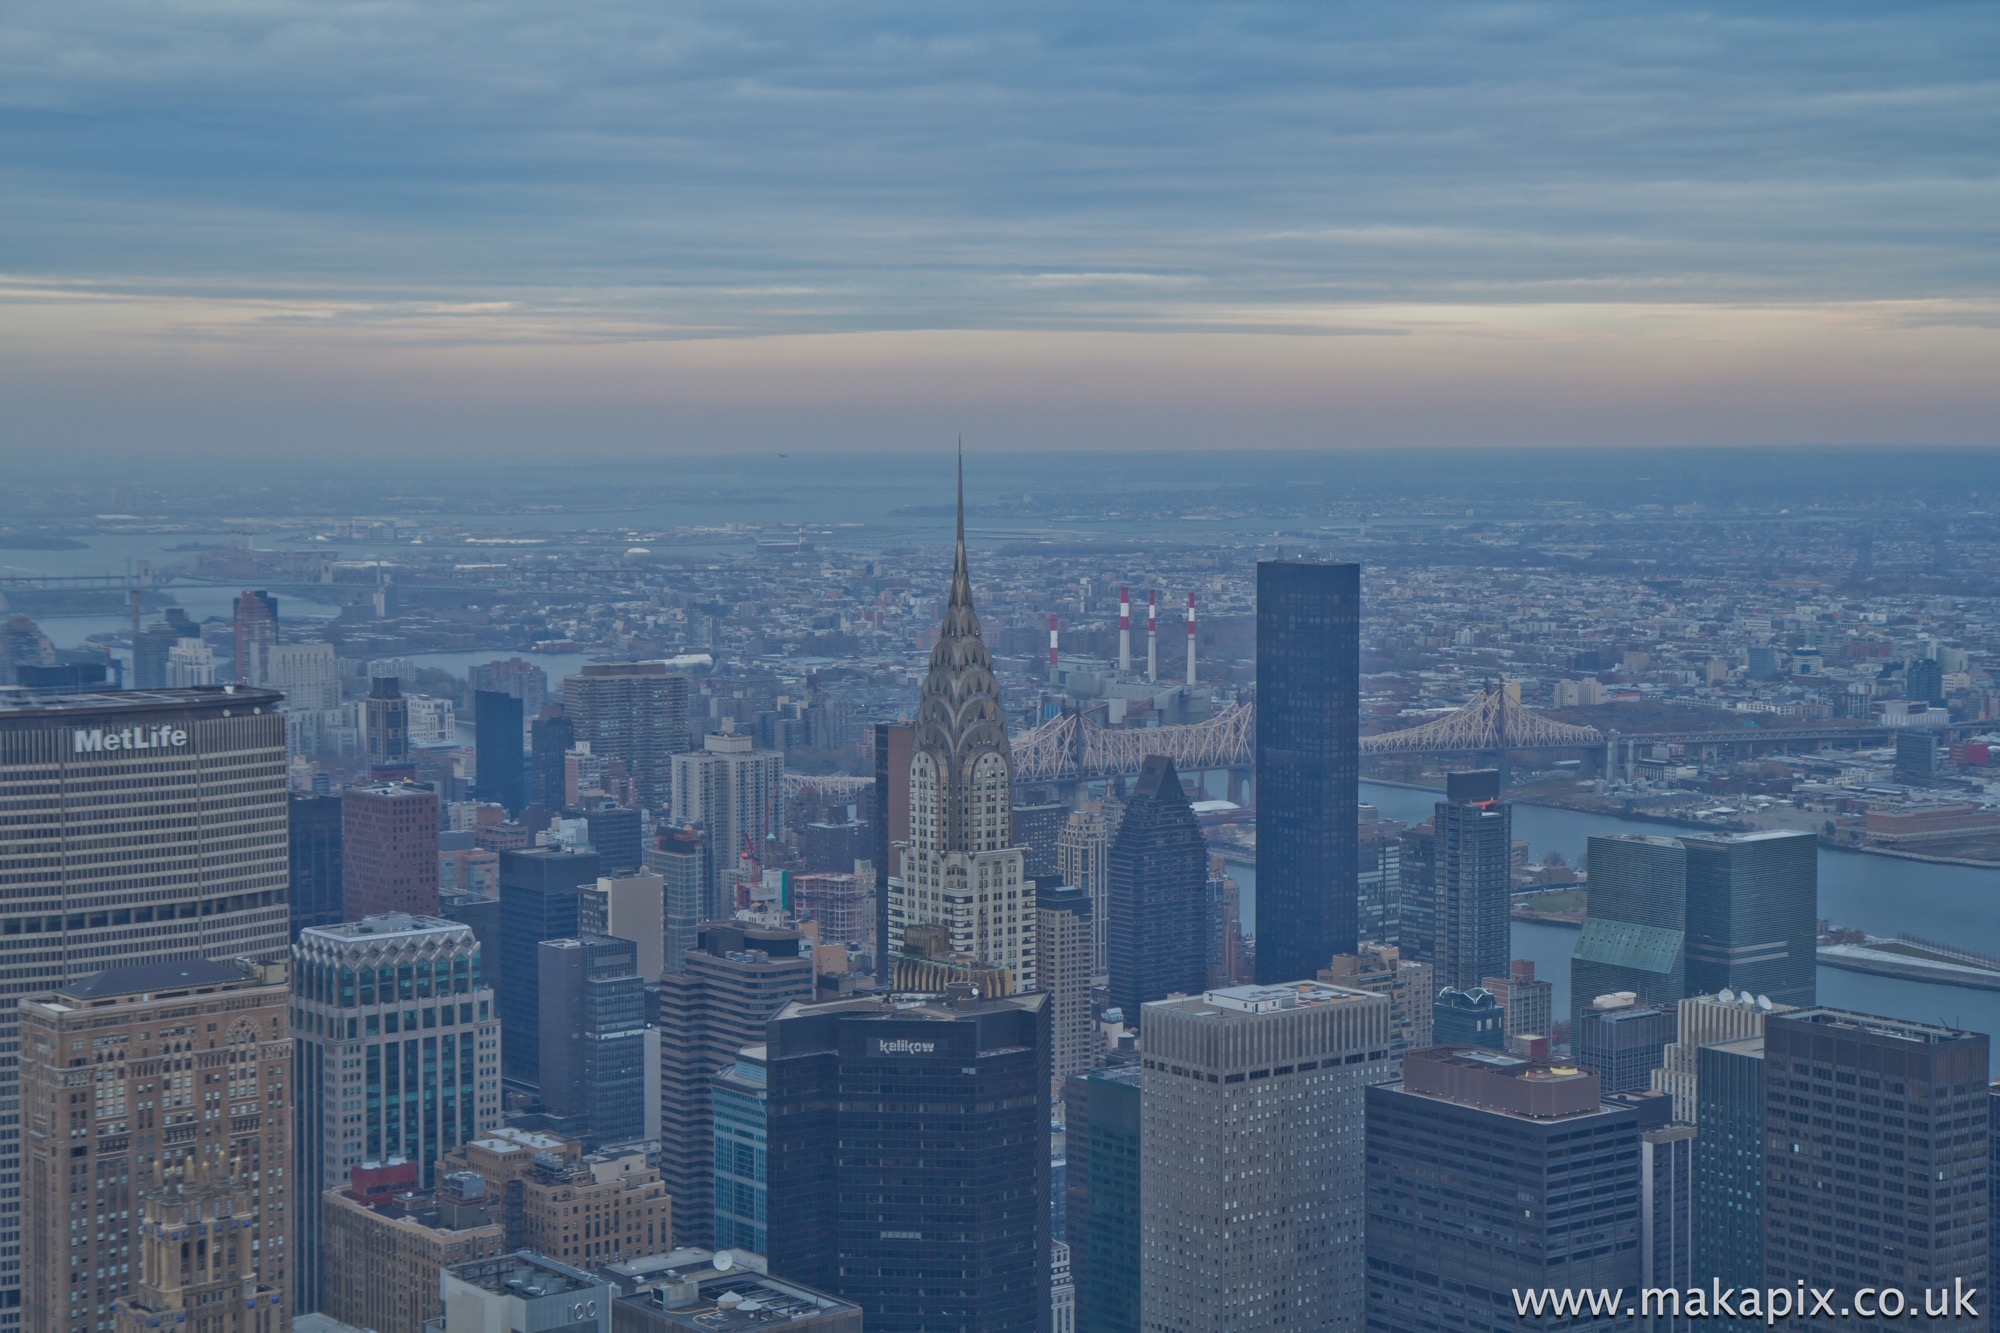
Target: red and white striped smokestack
1152, 635
1052, 647
1190, 679
1124, 631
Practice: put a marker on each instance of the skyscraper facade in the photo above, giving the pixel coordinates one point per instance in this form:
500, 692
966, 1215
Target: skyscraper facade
1753, 914
150, 649
307, 673
961, 869
1670, 917
631, 907
1083, 858
1917, 1218
538, 901
153, 1133
203, 772
892, 824
1379, 884
1062, 968
389, 849
1158, 941
1308, 764
634, 711
681, 862
1529, 1004
254, 635
397, 1054
1101, 1115
1729, 1163
932, 1121
739, 1092
517, 678
735, 981
1416, 875
617, 835
1382, 970
1623, 1043
1473, 880
1489, 1175
593, 1037
551, 738
1667, 1216
497, 742
735, 792
316, 859
1252, 1157
1705, 1020
1635, 926
385, 723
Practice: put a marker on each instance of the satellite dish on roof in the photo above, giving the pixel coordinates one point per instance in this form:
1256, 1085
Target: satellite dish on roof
1764, 1003
1726, 995
724, 1261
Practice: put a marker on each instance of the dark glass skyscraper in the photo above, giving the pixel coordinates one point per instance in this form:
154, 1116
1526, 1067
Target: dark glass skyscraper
1158, 936
1753, 914
910, 1148
497, 743
1674, 917
316, 861
1729, 1163
552, 735
593, 1037
1473, 880
1101, 1111
1308, 765
537, 902
1634, 930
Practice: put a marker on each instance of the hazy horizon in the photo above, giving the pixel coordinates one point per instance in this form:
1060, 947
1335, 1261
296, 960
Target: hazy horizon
274, 230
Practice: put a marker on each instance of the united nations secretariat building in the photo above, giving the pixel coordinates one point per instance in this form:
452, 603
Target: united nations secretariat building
135, 826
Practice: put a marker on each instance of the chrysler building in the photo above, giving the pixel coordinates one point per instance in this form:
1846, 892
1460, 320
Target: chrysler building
960, 869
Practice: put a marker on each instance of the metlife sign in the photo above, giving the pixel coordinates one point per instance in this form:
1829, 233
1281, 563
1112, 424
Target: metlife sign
97, 740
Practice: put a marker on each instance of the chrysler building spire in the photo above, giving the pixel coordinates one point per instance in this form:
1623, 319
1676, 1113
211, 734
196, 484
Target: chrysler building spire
961, 868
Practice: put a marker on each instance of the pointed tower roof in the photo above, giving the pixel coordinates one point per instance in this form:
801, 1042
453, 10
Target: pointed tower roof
960, 714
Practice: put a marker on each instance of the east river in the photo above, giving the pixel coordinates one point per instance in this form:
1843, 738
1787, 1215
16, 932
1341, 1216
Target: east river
1879, 894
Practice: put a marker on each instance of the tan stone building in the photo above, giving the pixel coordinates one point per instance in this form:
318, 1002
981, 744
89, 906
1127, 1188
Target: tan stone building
577, 1208
382, 1245
156, 1128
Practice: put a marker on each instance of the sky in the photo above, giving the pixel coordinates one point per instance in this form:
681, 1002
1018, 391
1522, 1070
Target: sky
258, 229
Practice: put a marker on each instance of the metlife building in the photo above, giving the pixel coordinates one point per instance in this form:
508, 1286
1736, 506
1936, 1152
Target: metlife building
137, 826
909, 1143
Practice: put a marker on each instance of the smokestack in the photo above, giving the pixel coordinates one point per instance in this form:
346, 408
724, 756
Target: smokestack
1052, 648
1124, 631
1190, 679
1152, 636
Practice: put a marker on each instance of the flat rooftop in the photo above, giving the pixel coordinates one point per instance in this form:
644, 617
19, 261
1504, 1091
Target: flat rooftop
526, 1275
130, 701
149, 978
1268, 999
1895, 1029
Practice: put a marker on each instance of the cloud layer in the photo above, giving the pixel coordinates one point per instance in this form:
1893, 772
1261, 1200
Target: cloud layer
216, 198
